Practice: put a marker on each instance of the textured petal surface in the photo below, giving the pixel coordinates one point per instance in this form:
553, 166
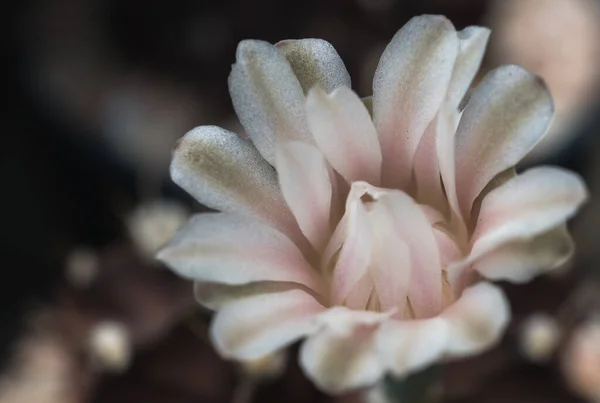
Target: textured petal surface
343, 355
315, 63
233, 249
426, 168
255, 326
477, 320
216, 295
507, 115
305, 182
407, 346
267, 97
473, 41
410, 84
344, 132
520, 262
528, 205
226, 173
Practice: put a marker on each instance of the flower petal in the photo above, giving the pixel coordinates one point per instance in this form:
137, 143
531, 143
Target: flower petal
342, 355
255, 326
355, 254
305, 180
233, 249
473, 41
410, 84
267, 97
226, 173
528, 205
477, 320
344, 132
315, 63
507, 115
216, 295
520, 262
411, 222
408, 346
426, 169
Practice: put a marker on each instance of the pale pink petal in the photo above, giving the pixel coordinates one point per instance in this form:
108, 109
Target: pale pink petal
473, 41
258, 325
528, 205
226, 173
267, 97
408, 346
344, 132
410, 83
315, 62
216, 295
343, 355
412, 224
305, 182
477, 320
391, 260
355, 254
520, 262
507, 115
362, 294
426, 170
233, 249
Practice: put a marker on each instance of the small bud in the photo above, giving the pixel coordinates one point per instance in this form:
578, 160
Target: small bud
540, 335
152, 225
110, 346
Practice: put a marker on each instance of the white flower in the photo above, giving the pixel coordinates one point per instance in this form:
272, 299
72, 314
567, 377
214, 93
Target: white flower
369, 234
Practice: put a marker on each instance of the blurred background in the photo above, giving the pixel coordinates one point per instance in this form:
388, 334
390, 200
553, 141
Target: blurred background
98, 91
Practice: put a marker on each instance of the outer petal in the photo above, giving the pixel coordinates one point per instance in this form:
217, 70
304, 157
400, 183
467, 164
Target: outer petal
343, 354
226, 173
410, 84
528, 205
521, 261
305, 182
267, 97
477, 320
343, 130
407, 346
255, 326
507, 115
216, 295
233, 249
315, 63
473, 41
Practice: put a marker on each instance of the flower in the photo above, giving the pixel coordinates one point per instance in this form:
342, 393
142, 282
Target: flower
369, 226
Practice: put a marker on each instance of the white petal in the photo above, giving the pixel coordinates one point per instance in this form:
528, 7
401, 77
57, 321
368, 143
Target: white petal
315, 62
507, 115
520, 262
355, 253
426, 169
216, 295
255, 326
425, 291
267, 97
226, 173
343, 130
477, 320
305, 182
447, 121
528, 205
233, 249
408, 346
410, 84
343, 355
473, 41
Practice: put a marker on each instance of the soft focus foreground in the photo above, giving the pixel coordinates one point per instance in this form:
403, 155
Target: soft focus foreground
119, 327
373, 234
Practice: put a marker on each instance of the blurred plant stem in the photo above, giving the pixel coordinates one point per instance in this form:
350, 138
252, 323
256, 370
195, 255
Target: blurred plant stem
421, 387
